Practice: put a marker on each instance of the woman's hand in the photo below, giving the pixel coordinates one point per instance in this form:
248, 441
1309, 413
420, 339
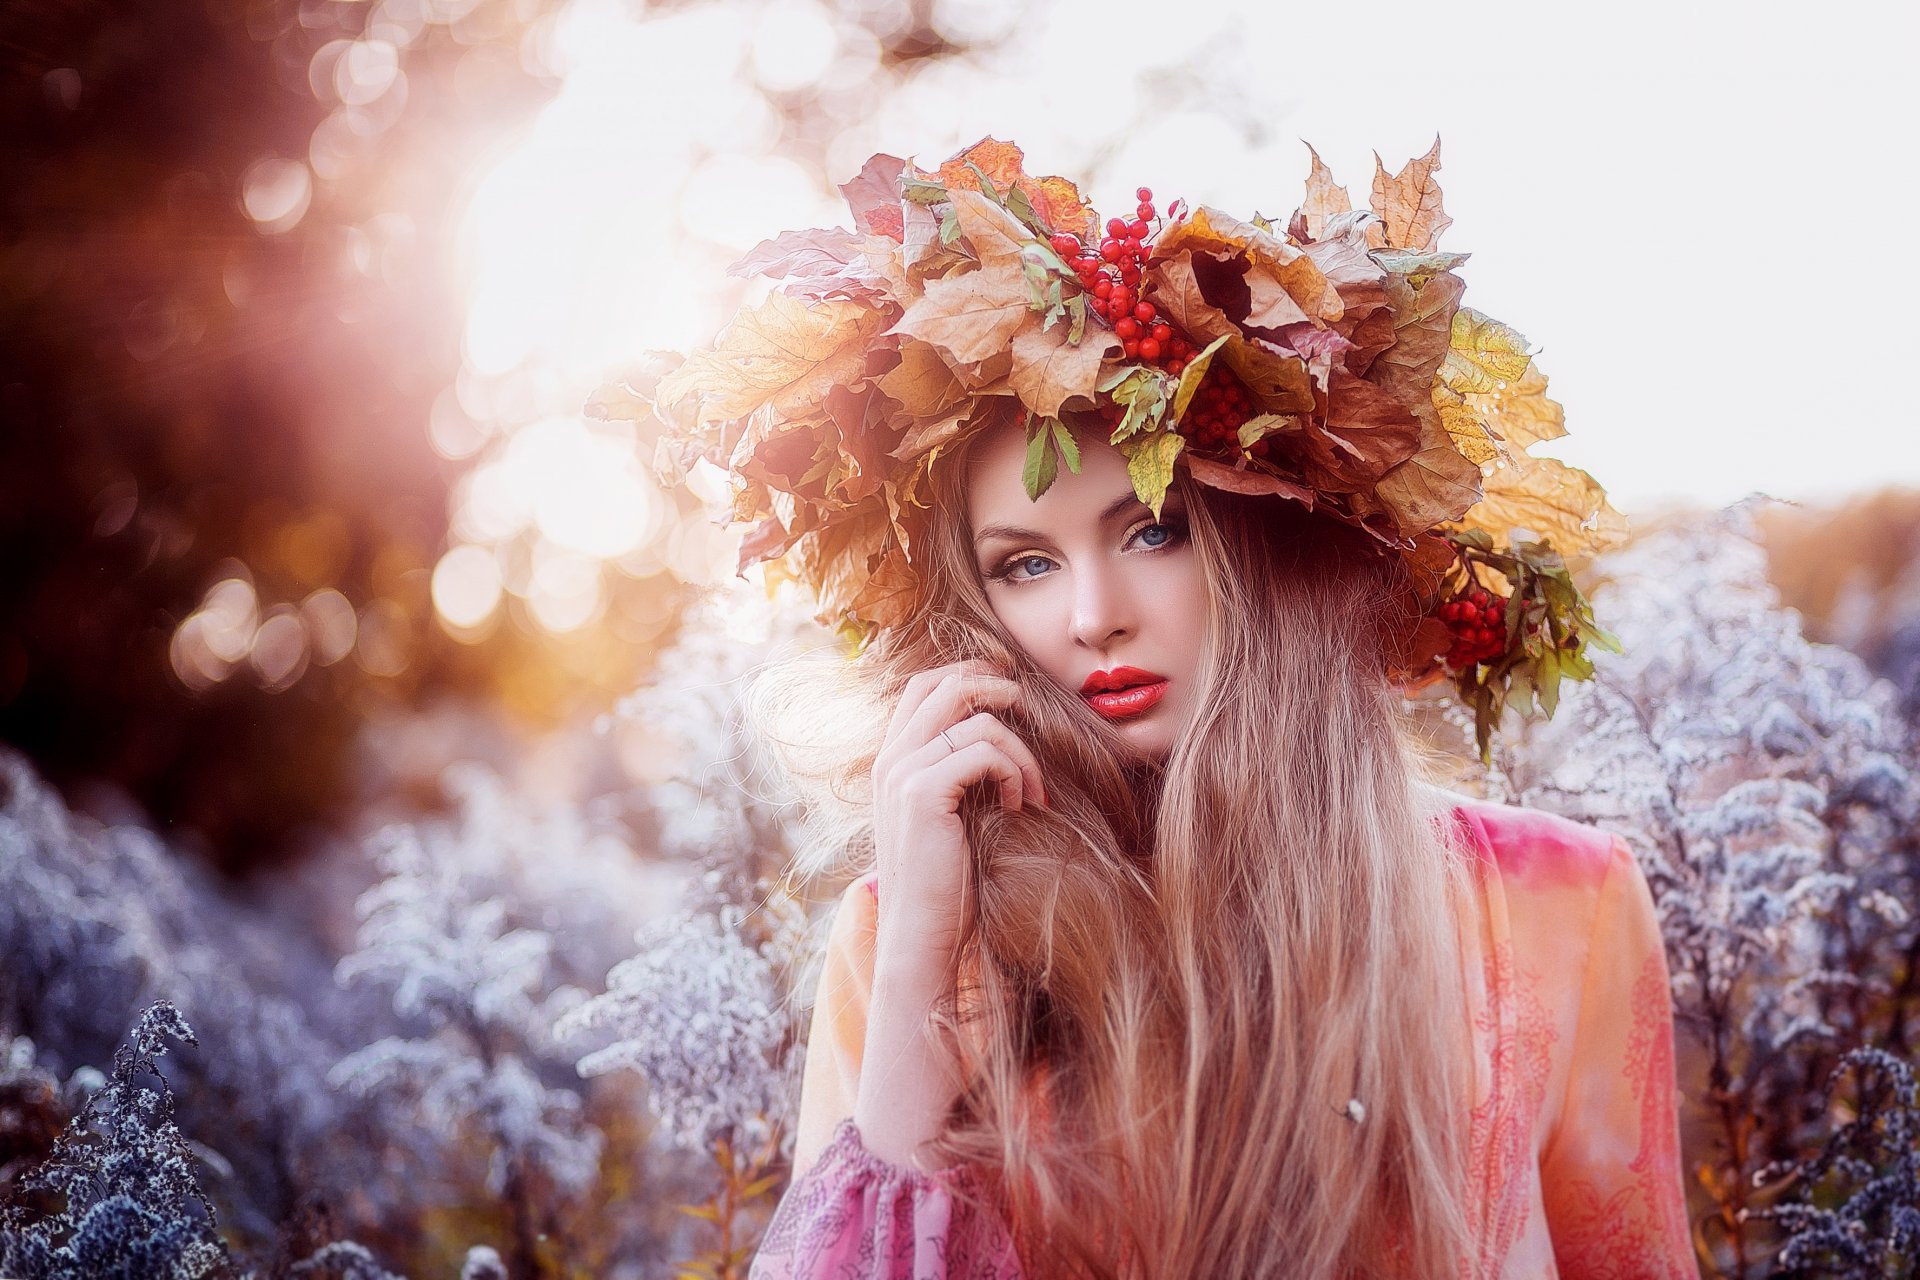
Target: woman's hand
919, 777
907, 1080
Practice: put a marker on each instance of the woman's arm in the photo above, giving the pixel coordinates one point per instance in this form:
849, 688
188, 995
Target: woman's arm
850, 1211
1610, 1171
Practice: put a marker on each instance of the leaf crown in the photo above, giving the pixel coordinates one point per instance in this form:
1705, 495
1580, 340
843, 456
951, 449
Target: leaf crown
1328, 362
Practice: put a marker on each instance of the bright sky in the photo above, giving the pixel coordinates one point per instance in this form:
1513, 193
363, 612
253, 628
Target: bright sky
1696, 212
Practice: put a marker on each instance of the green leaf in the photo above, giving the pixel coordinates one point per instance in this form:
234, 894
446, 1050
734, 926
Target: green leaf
986, 183
1600, 637
1068, 448
1022, 208
949, 226
1077, 307
920, 191
1550, 682
1042, 465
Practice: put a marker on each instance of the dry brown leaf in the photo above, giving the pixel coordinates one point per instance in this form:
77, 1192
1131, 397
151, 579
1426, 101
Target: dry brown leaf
1423, 328
991, 232
1236, 480
785, 353
1325, 199
923, 383
1057, 201
1175, 290
1411, 216
1278, 381
970, 315
1209, 230
1048, 370
1435, 484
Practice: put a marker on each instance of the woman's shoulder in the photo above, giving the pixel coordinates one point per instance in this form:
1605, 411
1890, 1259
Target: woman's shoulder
1535, 849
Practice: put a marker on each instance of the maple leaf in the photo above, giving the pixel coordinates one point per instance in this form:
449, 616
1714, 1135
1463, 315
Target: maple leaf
873, 195
1437, 483
1248, 480
785, 353
1278, 379
813, 251
971, 315
1362, 433
1423, 323
923, 383
1174, 288
1464, 425
1521, 414
990, 231
1411, 216
1048, 370
1483, 355
1342, 255
1324, 199
1563, 505
1208, 230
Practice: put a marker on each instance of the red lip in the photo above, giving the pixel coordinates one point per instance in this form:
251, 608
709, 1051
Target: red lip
1118, 678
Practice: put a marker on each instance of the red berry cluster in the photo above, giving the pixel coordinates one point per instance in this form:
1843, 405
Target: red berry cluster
1111, 274
1478, 621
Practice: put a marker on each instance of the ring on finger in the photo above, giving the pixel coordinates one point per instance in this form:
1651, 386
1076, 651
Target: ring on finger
949, 741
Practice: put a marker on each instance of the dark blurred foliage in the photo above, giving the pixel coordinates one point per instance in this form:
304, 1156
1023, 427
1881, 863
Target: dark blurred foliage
179, 389
190, 393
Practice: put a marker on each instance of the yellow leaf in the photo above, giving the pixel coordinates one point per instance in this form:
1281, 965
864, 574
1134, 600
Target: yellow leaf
1281, 383
1483, 355
1408, 203
1150, 465
1048, 370
971, 316
785, 354
1463, 426
1561, 504
1191, 375
1522, 414
1324, 199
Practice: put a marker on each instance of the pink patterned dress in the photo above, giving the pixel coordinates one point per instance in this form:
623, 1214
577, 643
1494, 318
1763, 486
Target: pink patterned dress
1575, 1130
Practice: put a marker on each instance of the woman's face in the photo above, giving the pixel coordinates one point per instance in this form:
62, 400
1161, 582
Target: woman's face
1089, 583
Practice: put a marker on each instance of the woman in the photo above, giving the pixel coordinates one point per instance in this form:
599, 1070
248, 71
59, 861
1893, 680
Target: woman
1204, 977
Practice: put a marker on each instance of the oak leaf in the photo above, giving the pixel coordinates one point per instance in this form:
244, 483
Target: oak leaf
1409, 205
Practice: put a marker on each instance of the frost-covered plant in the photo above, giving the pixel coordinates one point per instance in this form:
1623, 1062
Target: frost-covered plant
721, 799
129, 1206
34, 1107
1868, 1175
1768, 786
479, 988
701, 1011
97, 922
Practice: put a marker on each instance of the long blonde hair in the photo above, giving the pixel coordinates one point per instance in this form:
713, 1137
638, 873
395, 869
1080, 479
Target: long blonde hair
1174, 978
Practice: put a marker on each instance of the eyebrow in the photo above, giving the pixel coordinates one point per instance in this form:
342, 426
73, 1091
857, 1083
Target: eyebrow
1017, 533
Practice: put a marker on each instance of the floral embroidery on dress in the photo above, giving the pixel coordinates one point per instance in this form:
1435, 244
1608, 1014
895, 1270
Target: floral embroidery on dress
1520, 1032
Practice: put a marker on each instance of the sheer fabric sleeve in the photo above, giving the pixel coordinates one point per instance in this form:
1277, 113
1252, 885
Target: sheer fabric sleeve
1610, 1172
847, 1212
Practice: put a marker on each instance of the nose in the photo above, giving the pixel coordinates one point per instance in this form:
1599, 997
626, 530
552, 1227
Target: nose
1103, 608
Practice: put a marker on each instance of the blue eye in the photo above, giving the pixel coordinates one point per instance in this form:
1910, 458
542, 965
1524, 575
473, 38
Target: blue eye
1170, 528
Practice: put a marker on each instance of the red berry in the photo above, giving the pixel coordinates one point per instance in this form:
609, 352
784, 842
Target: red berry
1110, 251
1175, 366
1137, 229
1148, 347
1132, 348
1102, 287
1064, 244
1116, 227
1144, 312
1162, 333
1143, 193
1127, 327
